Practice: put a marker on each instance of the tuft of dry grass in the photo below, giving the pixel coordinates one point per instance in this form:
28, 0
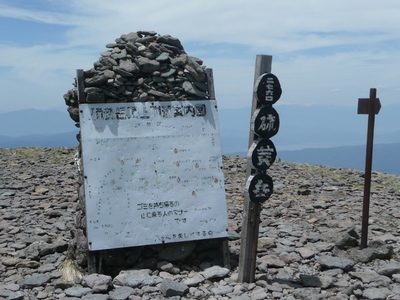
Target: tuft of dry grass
70, 270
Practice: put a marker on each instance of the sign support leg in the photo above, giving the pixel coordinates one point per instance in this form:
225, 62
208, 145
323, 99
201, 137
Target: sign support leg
225, 254
92, 268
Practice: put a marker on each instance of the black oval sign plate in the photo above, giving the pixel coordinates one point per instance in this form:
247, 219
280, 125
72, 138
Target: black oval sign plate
268, 89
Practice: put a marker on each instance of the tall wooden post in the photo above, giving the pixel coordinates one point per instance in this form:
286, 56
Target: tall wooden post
251, 210
370, 106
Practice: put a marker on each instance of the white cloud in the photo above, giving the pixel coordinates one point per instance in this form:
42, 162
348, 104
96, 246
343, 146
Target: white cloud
35, 15
324, 51
281, 26
340, 78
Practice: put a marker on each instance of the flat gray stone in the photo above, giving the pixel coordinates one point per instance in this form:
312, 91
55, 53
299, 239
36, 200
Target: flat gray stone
77, 291
96, 297
331, 262
167, 39
148, 65
136, 278
159, 94
214, 272
97, 282
119, 55
317, 281
222, 290
242, 297
370, 276
171, 288
375, 293
259, 294
272, 261
19, 295
129, 66
194, 281
9, 193
180, 60
121, 293
306, 294
96, 81
122, 72
35, 280
164, 56
305, 252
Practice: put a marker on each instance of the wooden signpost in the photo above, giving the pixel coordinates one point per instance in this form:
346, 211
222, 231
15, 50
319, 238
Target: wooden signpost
370, 106
261, 155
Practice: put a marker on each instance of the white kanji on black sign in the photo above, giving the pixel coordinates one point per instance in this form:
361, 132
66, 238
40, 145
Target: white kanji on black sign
265, 122
259, 187
262, 154
268, 89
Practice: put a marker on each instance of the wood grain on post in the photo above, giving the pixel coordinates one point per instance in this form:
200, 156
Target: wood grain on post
210, 83
81, 86
251, 211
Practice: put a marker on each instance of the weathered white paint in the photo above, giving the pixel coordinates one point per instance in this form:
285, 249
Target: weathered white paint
153, 173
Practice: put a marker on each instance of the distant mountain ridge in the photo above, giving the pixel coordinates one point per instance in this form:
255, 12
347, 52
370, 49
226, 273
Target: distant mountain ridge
35, 122
324, 135
307, 134
385, 157
37, 128
312, 127
66, 139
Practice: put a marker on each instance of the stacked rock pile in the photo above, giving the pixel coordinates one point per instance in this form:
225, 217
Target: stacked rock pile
139, 66
142, 66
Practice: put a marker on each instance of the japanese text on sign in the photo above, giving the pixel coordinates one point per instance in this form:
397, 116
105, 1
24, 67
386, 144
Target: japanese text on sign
259, 187
153, 173
262, 154
265, 122
268, 89
140, 111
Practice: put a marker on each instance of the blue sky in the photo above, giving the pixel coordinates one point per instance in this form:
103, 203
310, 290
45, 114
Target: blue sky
324, 52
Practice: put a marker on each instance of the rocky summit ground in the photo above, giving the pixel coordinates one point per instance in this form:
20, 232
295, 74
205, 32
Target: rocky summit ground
307, 249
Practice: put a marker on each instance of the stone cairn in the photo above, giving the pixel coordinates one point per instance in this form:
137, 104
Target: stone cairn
140, 66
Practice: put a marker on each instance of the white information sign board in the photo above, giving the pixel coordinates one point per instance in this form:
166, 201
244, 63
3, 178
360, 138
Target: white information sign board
153, 173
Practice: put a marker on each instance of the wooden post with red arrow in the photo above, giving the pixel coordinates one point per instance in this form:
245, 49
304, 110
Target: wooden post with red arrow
370, 106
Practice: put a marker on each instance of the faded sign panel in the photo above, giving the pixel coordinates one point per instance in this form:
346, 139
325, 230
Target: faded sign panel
153, 173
